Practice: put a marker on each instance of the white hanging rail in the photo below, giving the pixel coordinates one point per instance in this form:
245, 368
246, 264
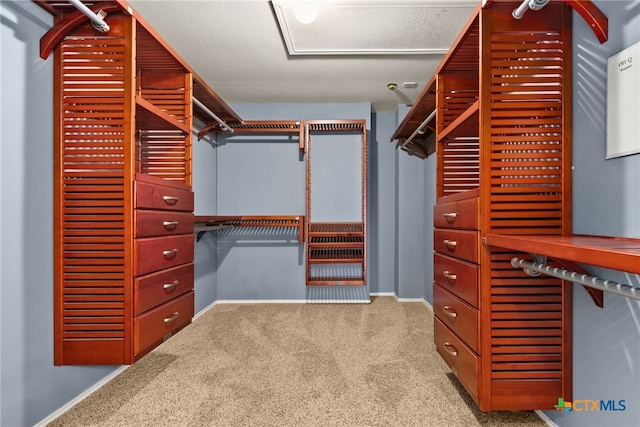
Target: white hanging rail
582, 279
518, 12
95, 17
420, 130
223, 126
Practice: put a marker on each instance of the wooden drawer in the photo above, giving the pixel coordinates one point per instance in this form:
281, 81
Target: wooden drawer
157, 253
159, 324
462, 244
157, 288
459, 214
458, 277
459, 316
177, 197
162, 223
460, 358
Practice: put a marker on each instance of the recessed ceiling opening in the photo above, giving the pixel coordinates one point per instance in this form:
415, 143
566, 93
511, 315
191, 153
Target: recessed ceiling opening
371, 27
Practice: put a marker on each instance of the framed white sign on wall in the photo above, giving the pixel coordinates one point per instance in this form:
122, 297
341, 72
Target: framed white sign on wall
623, 103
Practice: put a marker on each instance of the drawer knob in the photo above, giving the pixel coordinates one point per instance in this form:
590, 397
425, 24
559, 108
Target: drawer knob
449, 312
170, 200
170, 254
450, 216
451, 244
170, 225
168, 286
171, 318
449, 348
449, 275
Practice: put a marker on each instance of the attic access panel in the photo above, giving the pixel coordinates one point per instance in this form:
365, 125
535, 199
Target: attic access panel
371, 27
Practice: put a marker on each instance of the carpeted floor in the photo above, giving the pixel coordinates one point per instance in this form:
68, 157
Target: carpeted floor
293, 365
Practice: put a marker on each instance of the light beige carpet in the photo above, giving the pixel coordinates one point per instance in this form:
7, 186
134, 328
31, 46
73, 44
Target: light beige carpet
293, 365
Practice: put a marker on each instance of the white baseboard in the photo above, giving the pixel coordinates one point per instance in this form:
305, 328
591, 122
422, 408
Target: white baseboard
339, 301
383, 294
80, 397
393, 294
204, 310
409, 299
545, 418
261, 301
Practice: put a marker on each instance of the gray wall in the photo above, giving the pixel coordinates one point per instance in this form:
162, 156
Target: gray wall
606, 201
382, 207
414, 230
258, 175
205, 203
429, 202
30, 386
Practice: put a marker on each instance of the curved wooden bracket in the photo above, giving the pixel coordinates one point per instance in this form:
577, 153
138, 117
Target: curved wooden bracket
54, 36
209, 126
593, 16
596, 294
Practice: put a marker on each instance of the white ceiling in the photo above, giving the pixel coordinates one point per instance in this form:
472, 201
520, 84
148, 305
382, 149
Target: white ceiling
238, 48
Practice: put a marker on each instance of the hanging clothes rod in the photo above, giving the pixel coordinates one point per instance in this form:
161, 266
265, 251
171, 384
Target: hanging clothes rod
518, 12
95, 17
420, 129
223, 126
582, 279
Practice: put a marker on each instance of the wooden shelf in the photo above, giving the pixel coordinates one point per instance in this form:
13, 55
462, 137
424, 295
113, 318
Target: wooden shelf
148, 116
266, 127
608, 252
465, 126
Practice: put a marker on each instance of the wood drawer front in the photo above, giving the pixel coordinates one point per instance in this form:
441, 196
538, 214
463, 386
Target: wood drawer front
459, 214
157, 288
157, 253
459, 316
159, 324
460, 358
458, 243
152, 196
458, 277
162, 223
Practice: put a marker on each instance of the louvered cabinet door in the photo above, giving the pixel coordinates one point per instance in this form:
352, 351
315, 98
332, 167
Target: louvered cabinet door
92, 192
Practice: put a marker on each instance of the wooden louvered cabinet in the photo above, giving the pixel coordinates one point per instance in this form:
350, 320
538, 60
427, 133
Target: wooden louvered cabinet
123, 206
503, 145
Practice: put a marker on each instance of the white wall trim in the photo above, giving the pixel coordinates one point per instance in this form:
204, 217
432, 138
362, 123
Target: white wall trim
383, 294
409, 299
393, 294
204, 310
545, 418
81, 397
261, 301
